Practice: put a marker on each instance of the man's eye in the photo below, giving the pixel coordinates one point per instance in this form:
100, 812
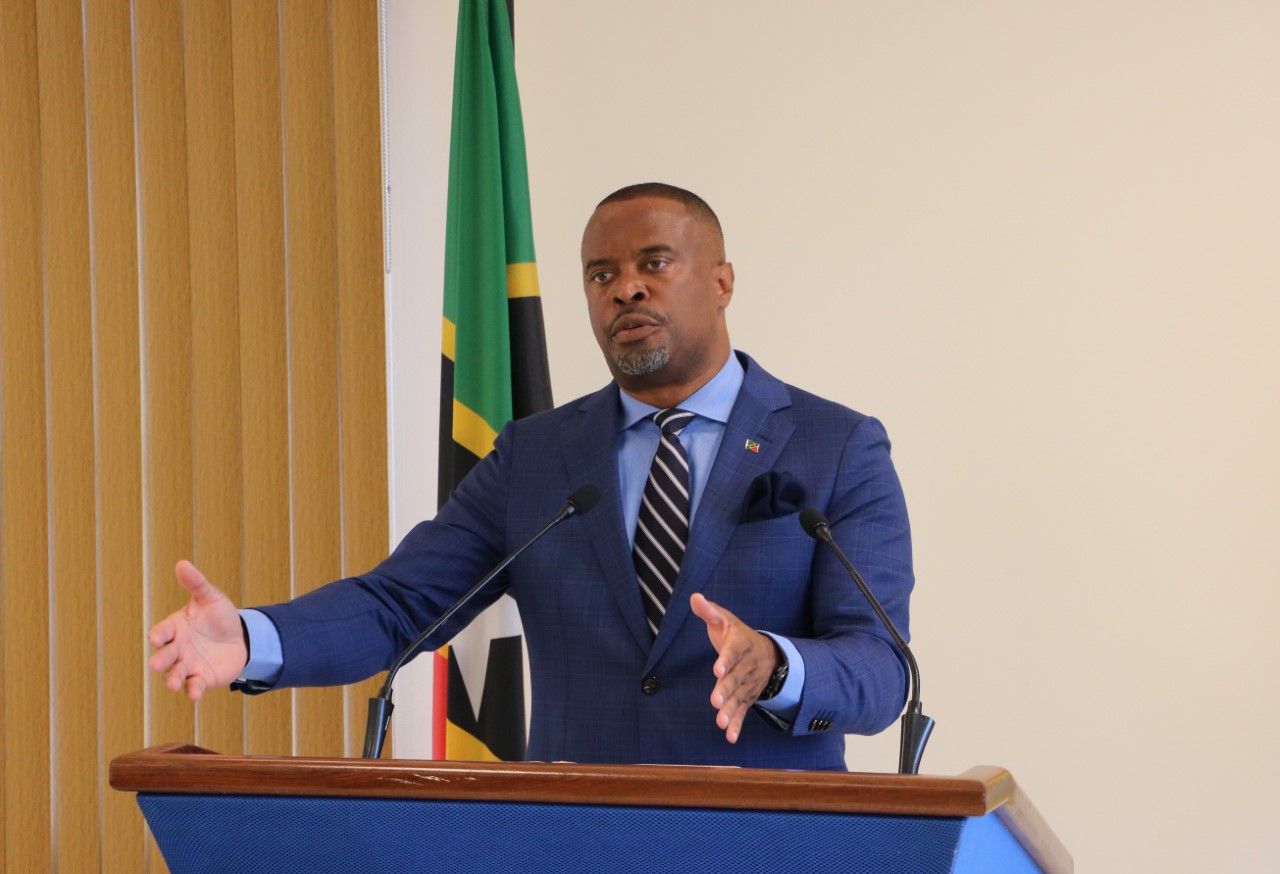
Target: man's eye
601, 276
657, 263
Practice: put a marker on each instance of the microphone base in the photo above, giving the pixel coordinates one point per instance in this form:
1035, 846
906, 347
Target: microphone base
916, 728
375, 727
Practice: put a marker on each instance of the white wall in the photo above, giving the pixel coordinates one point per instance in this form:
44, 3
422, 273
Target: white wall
418, 61
1039, 241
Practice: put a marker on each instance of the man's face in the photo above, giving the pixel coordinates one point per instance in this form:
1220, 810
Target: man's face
657, 286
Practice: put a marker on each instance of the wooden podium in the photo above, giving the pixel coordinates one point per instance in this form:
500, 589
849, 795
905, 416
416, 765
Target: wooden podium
210, 813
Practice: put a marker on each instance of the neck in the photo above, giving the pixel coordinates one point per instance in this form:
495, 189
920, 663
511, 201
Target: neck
665, 395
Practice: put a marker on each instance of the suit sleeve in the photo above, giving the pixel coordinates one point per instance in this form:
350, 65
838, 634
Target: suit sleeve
855, 678
351, 629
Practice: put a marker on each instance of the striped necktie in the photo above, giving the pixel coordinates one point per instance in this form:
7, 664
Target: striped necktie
663, 526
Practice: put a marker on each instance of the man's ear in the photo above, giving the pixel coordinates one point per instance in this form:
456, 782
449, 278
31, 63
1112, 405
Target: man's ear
724, 279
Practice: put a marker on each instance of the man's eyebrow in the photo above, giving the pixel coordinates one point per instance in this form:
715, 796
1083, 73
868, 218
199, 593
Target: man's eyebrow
657, 249
646, 252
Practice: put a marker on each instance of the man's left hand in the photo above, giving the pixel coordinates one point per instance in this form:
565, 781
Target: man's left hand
747, 659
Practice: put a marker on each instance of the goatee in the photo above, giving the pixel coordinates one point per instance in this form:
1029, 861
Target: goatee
641, 363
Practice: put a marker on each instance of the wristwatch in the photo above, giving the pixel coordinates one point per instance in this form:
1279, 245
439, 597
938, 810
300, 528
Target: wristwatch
779, 675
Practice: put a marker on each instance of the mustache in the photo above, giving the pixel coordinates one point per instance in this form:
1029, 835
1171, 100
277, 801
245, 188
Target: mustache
656, 318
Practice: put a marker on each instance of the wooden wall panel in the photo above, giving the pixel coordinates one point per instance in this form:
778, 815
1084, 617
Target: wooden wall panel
313, 335
264, 373
166, 337
179, 377
69, 356
113, 183
24, 572
361, 309
215, 334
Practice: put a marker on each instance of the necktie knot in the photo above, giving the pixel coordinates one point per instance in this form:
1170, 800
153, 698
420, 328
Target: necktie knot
672, 420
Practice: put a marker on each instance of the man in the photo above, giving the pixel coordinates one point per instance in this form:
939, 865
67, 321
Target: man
738, 641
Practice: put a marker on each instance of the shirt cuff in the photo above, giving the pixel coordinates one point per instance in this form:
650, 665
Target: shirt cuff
266, 658
786, 704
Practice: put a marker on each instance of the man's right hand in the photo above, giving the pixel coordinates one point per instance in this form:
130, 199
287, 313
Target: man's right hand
202, 645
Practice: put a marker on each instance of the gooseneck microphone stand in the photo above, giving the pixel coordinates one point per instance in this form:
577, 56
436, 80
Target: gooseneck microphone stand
916, 727
380, 706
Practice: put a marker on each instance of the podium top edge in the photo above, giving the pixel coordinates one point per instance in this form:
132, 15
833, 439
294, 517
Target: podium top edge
187, 769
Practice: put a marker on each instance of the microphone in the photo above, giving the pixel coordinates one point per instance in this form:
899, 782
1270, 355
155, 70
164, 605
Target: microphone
916, 727
580, 501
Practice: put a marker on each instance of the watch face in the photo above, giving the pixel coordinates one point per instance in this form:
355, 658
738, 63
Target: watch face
779, 675
774, 686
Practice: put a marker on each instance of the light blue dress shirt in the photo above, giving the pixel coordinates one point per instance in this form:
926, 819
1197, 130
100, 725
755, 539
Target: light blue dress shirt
637, 443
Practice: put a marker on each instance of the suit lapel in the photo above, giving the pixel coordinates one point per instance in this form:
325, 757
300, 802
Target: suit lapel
755, 418
590, 451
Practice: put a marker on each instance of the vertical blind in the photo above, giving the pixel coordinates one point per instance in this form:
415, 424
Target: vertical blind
191, 365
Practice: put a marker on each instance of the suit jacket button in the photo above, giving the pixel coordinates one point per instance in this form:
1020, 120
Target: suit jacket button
650, 686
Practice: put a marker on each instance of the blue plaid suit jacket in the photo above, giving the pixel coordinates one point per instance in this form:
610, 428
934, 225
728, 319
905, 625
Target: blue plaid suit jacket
590, 649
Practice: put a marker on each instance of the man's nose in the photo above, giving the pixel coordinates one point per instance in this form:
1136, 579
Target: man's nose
632, 289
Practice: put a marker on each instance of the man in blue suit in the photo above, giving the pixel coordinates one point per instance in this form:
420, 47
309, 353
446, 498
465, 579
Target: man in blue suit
756, 650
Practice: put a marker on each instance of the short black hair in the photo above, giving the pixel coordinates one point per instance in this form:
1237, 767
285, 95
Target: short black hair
696, 206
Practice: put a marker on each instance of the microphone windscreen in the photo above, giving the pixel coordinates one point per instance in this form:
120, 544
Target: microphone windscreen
811, 520
584, 498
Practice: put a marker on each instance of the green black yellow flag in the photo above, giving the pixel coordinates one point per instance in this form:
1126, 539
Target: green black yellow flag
494, 361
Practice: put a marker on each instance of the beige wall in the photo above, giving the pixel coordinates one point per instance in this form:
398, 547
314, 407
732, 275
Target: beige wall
1040, 241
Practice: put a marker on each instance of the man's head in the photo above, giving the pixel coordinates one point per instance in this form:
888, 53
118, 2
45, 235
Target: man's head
657, 285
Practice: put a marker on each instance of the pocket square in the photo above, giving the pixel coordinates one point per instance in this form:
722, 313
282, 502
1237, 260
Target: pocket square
773, 494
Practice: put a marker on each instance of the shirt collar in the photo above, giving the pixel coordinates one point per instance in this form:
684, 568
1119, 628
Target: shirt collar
713, 401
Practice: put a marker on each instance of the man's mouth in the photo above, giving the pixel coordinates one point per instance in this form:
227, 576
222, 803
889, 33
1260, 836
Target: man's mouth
630, 327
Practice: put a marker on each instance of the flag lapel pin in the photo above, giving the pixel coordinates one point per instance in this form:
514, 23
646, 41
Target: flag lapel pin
753, 446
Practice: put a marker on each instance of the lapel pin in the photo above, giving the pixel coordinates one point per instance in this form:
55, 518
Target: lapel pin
753, 446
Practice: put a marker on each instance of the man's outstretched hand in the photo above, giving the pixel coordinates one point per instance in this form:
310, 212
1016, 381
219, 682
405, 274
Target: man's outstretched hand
747, 659
202, 645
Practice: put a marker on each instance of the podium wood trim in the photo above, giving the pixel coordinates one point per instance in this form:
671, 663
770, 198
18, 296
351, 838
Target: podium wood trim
186, 769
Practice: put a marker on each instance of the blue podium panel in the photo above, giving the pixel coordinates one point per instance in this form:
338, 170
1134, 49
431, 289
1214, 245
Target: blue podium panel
283, 835
987, 847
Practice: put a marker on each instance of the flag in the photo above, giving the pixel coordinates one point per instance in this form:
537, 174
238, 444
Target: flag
493, 362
